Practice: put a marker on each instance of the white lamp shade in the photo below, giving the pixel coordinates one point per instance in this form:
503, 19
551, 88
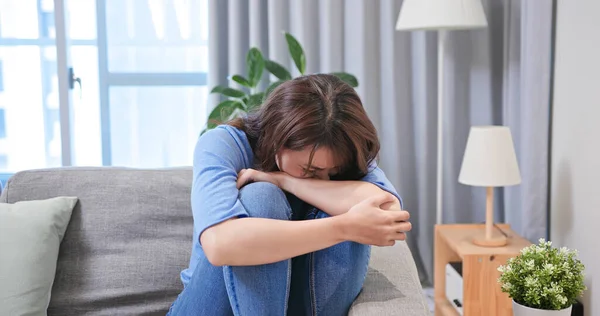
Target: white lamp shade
441, 14
490, 158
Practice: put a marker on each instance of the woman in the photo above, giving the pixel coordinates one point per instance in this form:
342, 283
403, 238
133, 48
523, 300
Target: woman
286, 205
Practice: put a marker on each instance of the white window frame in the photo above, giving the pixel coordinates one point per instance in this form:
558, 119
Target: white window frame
63, 61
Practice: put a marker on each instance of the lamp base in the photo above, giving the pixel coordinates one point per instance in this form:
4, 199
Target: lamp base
496, 240
489, 237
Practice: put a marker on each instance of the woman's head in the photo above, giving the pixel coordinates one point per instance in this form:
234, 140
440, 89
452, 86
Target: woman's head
313, 126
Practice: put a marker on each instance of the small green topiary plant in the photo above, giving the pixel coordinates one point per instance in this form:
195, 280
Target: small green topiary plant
241, 101
543, 277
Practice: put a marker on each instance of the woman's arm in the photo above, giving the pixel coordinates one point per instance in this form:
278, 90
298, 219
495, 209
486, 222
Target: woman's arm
253, 241
333, 197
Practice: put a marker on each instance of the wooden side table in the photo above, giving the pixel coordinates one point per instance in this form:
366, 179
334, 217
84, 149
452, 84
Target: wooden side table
481, 290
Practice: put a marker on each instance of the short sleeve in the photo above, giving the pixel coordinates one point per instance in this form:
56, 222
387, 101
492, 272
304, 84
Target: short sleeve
218, 158
377, 177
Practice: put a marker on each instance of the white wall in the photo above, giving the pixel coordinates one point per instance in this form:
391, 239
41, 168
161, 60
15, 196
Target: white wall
575, 195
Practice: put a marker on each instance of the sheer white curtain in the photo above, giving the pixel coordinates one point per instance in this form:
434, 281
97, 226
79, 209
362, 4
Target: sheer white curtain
497, 75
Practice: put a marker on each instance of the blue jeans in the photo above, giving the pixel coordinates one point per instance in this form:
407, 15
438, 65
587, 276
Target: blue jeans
324, 282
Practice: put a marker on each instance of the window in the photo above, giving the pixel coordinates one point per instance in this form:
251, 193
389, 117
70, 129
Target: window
1, 80
2, 116
142, 65
157, 58
31, 133
2, 125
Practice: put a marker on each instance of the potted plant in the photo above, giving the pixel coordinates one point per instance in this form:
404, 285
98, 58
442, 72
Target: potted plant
248, 97
543, 280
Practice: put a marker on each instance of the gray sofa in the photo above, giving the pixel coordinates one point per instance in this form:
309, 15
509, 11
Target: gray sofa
130, 236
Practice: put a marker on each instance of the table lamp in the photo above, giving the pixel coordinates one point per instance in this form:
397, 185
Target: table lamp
490, 161
440, 15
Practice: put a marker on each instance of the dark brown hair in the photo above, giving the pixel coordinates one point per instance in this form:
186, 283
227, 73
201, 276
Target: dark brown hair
314, 110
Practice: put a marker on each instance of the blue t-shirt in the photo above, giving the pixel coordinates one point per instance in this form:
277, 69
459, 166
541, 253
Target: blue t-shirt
220, 154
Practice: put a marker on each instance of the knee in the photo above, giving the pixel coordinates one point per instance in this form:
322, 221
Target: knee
265, 200
260, 191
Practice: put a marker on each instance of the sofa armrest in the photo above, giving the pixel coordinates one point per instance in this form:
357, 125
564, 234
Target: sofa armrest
392, 286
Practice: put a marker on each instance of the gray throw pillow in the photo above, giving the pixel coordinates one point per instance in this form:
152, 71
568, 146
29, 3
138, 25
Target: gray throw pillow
30, 236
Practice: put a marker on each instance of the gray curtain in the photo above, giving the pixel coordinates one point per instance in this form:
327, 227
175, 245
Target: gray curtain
499, 75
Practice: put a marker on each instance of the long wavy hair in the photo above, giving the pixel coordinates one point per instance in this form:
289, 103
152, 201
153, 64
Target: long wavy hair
314, 110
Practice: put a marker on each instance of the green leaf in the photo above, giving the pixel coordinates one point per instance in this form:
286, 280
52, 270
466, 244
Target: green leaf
277, 70
236, 113
348, 78
272, 87
256, 64
241, 80
254, 101
223, 111
245, 101
297, 52
229, 92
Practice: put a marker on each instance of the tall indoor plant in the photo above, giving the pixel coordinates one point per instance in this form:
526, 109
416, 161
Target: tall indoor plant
239, 101
543, 280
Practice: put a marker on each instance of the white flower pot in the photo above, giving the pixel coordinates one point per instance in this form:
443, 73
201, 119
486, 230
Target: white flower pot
520, 310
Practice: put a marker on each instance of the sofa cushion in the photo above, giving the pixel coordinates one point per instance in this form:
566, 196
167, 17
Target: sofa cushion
30, 236
128, 239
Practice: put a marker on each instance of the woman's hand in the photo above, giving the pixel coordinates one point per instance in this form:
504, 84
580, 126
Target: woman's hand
251, 175
367, 223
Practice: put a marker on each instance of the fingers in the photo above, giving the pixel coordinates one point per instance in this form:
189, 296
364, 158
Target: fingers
392, 240
243, 178
379, 199
397, 217
390, 206
400, 236
398, 231
403, 227
400, 216
389, 243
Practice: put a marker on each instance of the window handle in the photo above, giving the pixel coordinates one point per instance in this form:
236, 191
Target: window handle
74, 79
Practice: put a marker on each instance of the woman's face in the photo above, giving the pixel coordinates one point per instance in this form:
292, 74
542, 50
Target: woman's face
296, 163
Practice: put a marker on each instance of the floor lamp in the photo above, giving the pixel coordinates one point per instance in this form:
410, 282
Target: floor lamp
441, 15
